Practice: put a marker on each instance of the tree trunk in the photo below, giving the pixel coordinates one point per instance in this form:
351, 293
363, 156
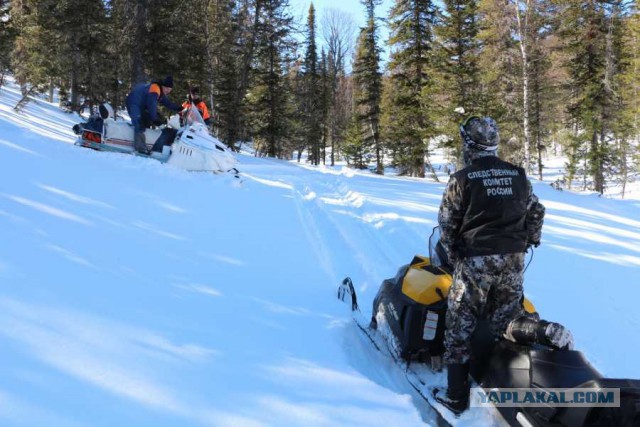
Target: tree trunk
595, 155
333, 151
624, 171
211, 60
74, 75
599, 170
51, 90
379, 165
539, 145
429, 166
522, 35
25, 98
572, 158
243, 73
138, 43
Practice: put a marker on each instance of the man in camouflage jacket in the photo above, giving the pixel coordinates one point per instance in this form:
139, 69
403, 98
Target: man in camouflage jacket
488, 217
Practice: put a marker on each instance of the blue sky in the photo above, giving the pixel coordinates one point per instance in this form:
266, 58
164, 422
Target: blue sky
299, 9
351, 6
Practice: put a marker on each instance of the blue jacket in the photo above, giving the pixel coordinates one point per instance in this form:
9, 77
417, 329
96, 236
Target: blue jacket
145, 96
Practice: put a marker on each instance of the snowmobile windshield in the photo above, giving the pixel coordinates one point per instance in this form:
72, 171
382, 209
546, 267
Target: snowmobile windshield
193, 116
437, 254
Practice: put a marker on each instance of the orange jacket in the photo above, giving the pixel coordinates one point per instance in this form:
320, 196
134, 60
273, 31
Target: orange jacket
201, 106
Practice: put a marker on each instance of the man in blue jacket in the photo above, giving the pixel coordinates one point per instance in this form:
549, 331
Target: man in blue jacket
142, 106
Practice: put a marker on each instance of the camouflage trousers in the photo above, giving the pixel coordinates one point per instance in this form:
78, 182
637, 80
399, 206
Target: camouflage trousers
483, 286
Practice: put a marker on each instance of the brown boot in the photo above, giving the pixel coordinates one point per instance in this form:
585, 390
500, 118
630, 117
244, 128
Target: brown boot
140, 143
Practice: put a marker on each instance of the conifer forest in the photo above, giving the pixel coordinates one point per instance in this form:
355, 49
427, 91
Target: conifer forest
560, 77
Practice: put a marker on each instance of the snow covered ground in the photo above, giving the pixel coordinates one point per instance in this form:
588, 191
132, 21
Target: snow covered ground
136, 294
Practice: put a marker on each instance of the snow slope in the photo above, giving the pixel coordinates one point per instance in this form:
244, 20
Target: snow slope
136, 294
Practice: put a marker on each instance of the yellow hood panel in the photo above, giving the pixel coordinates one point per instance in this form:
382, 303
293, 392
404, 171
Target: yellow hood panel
427, 284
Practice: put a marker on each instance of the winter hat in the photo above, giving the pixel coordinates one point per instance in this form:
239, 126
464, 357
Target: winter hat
480, 133
168, 82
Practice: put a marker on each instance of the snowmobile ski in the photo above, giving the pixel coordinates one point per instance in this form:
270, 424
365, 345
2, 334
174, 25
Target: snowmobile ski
420, 378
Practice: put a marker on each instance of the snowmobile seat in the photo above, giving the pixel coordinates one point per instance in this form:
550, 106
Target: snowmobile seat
513, 365
123, 131
560, 369
167, 136
501, 364
519, 366
628, 414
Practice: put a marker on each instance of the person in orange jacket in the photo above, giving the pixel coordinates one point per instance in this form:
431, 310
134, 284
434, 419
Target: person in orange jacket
194, 99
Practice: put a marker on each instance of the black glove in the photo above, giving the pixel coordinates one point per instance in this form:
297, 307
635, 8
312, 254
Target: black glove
160, 120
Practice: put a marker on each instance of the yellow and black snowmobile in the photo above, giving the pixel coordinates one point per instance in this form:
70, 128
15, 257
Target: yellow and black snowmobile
409, 313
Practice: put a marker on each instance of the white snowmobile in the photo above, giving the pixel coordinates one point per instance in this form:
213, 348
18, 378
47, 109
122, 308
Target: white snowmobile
184, 142
408, 322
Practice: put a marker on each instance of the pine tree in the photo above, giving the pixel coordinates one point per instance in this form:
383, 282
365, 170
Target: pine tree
80, 24
297, 134
411, 24
138, 40
340, 113
591, 33
457, 71
7, 37
236, 71
500, 74
628, 127
220, 31
174, 44
356, 152
268, 97
523, 11
368, 85
545, 102
126, 37
35, 58
312, 105
533, 19
116, 75
325, 102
